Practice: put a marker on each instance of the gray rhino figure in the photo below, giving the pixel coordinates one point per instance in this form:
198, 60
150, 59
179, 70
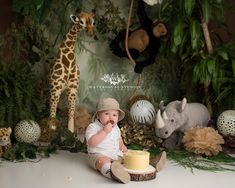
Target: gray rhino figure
180, 116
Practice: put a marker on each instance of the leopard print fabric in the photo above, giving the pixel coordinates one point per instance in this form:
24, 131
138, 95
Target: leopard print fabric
5, 141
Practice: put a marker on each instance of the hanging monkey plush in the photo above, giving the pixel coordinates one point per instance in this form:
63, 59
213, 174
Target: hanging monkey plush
143, 43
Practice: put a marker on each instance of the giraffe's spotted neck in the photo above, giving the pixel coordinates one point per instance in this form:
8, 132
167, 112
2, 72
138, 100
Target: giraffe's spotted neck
71, 37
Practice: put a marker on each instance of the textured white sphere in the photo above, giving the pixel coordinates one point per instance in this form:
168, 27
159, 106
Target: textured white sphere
27, 131
226, 122
143, 111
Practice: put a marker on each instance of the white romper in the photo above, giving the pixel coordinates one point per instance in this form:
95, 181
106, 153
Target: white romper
108, 147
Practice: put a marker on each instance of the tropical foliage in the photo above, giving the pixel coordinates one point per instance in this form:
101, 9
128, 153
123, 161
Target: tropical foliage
194, 44
20, 96
165, 78
194, 55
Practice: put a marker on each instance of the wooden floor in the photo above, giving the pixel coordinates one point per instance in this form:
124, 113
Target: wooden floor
70, 170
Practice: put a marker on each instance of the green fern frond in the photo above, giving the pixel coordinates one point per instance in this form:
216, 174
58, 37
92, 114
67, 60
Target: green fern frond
22, 100
221, 162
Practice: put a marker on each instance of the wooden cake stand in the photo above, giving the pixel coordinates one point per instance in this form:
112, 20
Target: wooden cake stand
142, 175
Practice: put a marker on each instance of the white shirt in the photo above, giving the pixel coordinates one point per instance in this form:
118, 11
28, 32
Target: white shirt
110, 145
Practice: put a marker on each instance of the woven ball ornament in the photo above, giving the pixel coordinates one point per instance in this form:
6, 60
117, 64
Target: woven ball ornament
143, 111
226, 122
27, 131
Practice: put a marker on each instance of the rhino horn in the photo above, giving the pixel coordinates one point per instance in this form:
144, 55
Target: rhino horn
161, 106
164, 116
159, 120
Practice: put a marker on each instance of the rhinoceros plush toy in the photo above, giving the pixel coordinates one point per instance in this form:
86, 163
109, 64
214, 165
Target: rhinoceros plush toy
179, 116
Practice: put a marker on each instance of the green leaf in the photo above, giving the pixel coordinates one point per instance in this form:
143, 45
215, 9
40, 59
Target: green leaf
196, 73
173, 48
216, 85
195, 33
223, 54
206, 10
183, 44
189, 5
207, 80
178, 31
211, 66
206, 77
201, 73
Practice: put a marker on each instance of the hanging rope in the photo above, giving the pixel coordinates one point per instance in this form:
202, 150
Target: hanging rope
127, 33
127, 49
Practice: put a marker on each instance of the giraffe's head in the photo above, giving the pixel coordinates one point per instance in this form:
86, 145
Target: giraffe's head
85, 20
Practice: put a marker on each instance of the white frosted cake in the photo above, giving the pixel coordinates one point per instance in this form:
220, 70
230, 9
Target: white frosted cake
136, 160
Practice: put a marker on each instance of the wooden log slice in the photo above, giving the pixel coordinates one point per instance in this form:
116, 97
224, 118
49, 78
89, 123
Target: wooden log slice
142, 175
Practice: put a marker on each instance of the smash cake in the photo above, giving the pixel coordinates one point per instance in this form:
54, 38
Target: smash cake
136, 160
137, 165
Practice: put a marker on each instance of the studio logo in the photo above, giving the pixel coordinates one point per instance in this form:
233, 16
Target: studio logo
114, 81
114, 78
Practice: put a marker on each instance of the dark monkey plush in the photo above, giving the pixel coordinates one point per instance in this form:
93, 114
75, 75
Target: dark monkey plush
143, 43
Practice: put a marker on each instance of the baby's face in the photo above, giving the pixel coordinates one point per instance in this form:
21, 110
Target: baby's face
108, 116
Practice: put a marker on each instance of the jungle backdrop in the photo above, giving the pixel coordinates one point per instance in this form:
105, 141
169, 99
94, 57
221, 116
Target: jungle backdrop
183, 67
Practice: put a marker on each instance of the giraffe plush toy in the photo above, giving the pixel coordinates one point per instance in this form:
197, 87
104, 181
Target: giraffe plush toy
65, 73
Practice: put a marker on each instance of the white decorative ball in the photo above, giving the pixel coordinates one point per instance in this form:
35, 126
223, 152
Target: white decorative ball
27, 131
143, 111
226, 122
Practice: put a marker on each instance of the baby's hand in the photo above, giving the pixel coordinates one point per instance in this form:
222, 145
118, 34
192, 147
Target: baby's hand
109, 126
123, 148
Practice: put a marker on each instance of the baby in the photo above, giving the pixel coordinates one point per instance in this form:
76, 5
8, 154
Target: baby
104, 143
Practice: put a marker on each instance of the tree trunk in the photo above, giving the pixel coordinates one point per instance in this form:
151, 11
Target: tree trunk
207, 36
210, 51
